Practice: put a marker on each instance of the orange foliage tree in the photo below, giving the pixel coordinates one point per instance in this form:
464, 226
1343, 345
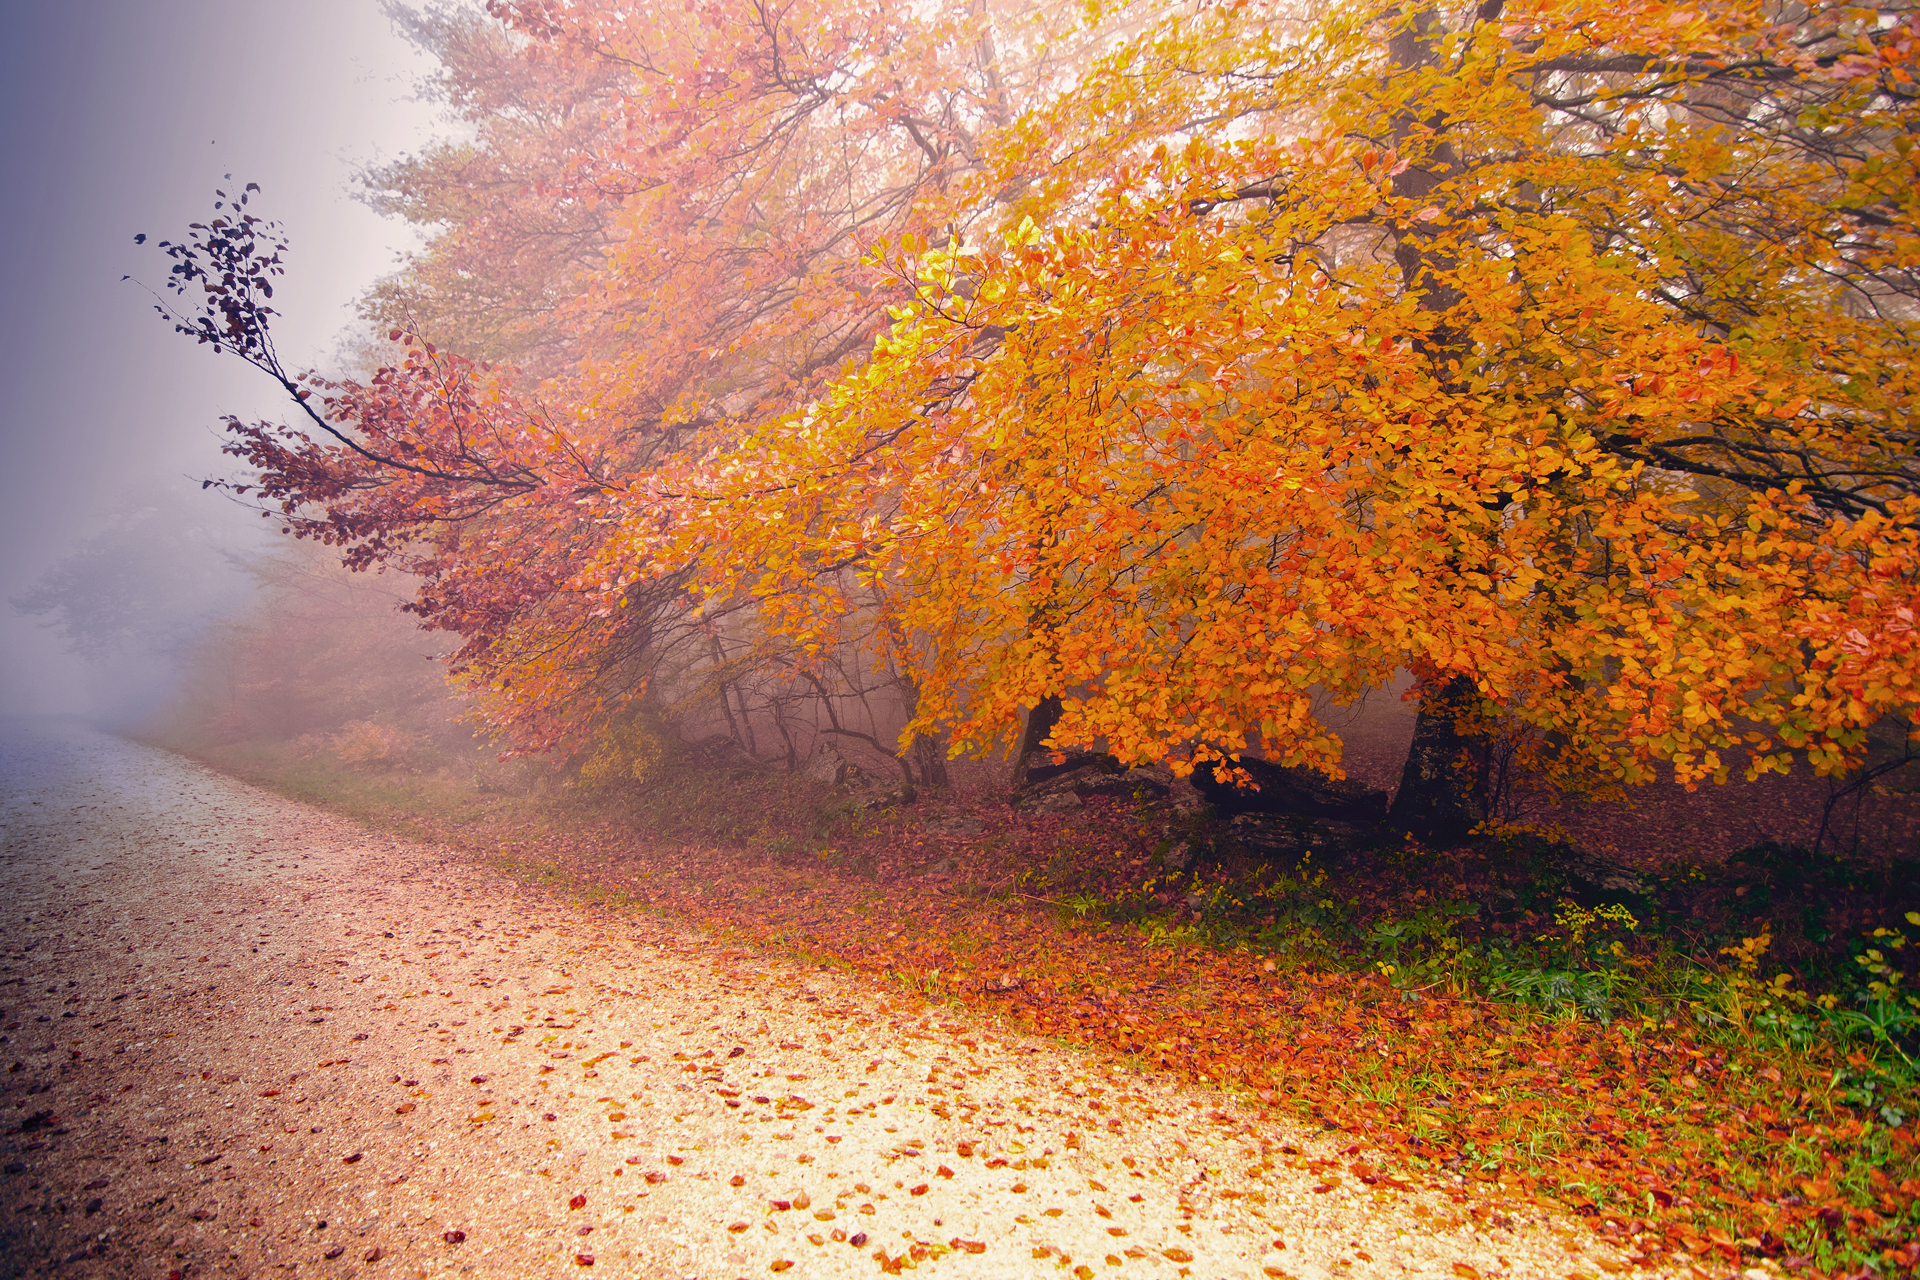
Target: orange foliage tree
1561, 352
1558, 351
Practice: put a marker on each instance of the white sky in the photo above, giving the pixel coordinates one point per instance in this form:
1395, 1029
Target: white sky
122, 116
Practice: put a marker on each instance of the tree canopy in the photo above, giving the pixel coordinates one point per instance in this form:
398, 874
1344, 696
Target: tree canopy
1174, 362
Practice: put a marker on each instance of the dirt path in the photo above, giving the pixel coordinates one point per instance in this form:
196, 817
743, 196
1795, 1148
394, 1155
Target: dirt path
245, 1038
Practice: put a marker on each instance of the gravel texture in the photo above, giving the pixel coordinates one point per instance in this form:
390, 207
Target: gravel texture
243, 1037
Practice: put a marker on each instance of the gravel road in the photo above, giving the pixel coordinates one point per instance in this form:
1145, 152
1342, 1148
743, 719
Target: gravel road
243, 1037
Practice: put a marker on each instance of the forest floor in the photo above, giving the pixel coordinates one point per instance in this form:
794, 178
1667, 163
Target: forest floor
1454, 1016
250, 1038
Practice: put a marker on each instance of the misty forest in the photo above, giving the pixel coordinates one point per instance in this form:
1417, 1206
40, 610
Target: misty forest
1346, 572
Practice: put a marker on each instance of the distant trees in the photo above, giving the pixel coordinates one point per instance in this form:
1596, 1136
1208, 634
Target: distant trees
145, 586
318, 659
1175, 367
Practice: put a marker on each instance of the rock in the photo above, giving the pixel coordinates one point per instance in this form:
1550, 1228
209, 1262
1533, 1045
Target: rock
897, 798
1155, 777
1095, 776
1040, 766
1596, 877
1185, 802
1054, 802
961, 825
719, 751
829, 767
1147, 781
1178, 858
1067, 784
825, 765
1290, 789
1292, 835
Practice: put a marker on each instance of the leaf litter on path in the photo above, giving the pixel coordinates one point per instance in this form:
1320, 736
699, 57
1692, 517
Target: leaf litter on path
582, 1085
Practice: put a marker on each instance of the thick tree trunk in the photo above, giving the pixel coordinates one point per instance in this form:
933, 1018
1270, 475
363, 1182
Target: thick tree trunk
930, 754
1040, 722
1442, 795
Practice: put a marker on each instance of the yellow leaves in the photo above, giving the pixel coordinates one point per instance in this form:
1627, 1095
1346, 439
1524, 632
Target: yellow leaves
1159, 417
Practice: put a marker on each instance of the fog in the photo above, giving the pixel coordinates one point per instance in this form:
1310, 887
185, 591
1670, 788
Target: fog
124, 116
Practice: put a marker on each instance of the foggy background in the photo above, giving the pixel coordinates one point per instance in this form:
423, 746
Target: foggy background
123, 116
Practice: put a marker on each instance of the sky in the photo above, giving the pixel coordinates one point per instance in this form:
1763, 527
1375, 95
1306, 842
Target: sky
123, 116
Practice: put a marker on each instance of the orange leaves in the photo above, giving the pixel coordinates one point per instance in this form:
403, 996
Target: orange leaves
1392, 361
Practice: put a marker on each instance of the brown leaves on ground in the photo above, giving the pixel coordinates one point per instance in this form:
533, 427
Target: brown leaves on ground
1653, 1134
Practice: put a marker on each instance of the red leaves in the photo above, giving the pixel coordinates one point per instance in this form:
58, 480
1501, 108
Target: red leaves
578, 1202
453, 1237
355, 1158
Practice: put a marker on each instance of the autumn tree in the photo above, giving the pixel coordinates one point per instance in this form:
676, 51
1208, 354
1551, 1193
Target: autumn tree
658, 232
1560, 352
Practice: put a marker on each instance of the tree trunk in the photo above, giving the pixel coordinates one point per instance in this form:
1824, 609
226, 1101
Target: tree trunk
930, 754
1442, 795
1442, 790
1040, 722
